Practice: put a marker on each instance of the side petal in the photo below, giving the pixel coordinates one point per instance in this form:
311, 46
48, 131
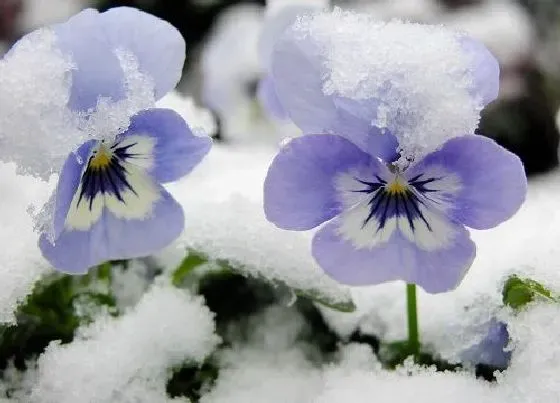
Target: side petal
301, 93
177, 149
435, 271
113, 238
266, 94
68, 183
485, 69
91, 78
158, 46
300, 189
491, 183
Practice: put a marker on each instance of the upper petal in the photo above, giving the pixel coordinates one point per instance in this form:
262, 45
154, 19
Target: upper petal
300, 189
490, 183
398, 258
158, 46
485, 69
176, 150
97, 72
301, 93
92, 40
113, 238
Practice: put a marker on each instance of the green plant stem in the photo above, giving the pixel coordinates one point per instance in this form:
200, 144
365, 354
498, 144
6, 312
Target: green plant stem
413, 339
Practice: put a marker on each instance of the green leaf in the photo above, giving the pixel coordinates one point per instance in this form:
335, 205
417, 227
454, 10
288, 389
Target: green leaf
192, 261
518, 292
195, 259
341, 306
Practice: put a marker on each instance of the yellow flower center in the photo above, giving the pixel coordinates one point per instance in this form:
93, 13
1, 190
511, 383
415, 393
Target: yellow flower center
101, 158
396, 187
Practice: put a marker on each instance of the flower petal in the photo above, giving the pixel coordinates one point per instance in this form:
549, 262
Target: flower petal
90, 78
301, 93
300, 188
485, 69
491, 183
158, 46
266, 94
491, 349
112, 238
398, 258
68, 183
176, 150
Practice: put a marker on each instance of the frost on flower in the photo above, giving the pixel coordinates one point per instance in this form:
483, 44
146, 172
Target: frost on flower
385, 224
367, 81
109, 202
384, 220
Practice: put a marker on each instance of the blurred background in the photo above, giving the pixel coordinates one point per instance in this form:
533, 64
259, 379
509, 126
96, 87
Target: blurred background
224, 63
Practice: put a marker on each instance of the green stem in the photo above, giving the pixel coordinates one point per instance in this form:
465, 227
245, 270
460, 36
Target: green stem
413, 339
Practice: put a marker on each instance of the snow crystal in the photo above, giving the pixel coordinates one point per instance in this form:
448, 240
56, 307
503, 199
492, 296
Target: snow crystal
288, 375
36, 130
128, 359
419, 74
199, 119
533, 373
224, 219
21, 263
271, 354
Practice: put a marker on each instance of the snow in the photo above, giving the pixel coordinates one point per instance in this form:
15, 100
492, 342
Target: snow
452, 321
128, 359
228, 187
36, 125
198, 118
131, 357
363, 55
21, 263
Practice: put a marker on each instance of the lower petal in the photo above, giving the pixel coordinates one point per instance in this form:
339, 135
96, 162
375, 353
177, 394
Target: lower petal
112, 238
435, 271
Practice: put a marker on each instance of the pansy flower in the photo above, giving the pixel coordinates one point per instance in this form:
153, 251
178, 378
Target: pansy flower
492, 349
110, 202
382, 220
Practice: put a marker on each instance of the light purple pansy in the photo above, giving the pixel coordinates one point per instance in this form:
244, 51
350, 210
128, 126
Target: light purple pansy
110, 202
300, 92
492, 349
382, 223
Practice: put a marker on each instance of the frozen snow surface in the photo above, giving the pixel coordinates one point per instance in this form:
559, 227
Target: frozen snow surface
366, 59
229, 189
21, 263
128, 359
